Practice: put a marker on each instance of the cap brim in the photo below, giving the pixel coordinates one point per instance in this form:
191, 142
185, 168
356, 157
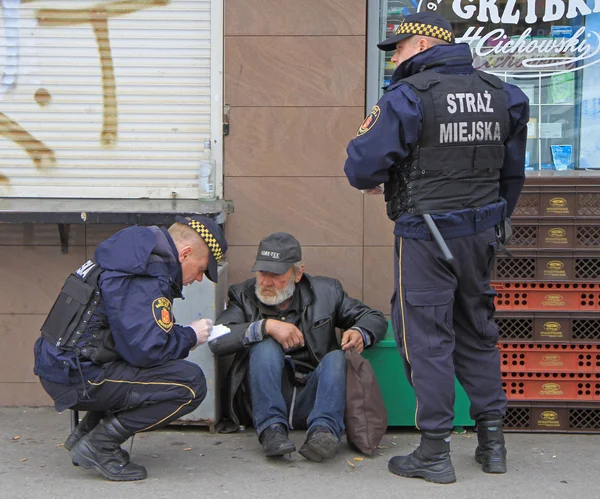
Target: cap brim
212, 272
390, 43
274, 267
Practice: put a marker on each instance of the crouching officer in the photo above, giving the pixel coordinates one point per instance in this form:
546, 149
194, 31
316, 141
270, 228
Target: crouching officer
110, 345
448, 141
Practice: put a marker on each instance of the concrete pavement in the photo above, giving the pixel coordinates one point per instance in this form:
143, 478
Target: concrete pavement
190, 462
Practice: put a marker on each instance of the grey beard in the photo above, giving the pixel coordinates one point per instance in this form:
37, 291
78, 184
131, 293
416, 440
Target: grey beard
279, 297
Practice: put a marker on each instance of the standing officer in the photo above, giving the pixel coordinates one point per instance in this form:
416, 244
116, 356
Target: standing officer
110, 345
448, 141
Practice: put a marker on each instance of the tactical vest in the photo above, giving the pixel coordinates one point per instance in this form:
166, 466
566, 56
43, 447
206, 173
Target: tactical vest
69, 317
457, 161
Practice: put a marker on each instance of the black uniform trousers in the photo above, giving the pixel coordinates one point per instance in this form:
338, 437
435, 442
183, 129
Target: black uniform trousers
442, 315
141, 398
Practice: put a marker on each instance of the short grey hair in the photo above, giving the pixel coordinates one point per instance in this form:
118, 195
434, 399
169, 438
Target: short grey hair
298, 265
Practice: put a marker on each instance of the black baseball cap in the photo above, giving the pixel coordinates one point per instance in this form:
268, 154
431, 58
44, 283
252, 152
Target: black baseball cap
277, 253
421, 23
214, 238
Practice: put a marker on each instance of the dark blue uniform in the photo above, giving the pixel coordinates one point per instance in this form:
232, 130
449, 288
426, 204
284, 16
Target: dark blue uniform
442, 313
149, 385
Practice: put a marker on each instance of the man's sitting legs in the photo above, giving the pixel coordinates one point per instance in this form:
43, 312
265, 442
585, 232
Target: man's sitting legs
268, 404
321, 405
318, 406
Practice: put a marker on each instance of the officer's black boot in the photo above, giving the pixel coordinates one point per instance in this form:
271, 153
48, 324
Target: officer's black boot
491, 452
431, 460
275, 441
87, 424
100, 450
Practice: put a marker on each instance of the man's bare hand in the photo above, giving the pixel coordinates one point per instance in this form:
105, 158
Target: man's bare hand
287, 335
202, 328
352, 339
374, 191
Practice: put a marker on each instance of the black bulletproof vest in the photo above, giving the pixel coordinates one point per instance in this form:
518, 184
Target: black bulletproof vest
457, 161
70, 315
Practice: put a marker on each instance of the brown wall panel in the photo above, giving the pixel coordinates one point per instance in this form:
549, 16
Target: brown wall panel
38, 235
32, 276
24, 394
18, 333
294, 71
379, 229
379, 277
293, 17
318, 211
290, 141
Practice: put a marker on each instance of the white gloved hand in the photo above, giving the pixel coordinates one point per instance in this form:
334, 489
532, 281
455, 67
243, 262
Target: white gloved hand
202, 328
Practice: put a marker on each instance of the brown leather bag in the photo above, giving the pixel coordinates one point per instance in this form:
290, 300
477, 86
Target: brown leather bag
366, 416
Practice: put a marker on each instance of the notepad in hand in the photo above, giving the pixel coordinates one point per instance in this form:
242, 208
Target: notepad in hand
218, 331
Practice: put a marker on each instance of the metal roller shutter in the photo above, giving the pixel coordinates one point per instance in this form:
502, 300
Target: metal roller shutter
108, 99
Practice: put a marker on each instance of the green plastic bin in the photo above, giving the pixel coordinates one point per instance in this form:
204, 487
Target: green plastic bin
398, 395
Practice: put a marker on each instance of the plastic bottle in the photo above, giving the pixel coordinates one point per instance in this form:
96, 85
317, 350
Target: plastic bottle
206, 172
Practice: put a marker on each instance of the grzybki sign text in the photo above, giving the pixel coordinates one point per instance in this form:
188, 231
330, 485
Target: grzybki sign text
495, 50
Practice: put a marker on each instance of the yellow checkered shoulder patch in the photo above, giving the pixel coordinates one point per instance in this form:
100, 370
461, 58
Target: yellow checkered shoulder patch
209, 239
425, 30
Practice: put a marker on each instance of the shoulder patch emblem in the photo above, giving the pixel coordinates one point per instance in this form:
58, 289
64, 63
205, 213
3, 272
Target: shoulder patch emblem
163, 313
370, 120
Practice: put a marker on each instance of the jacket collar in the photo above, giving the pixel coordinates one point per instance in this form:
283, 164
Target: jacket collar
455, 59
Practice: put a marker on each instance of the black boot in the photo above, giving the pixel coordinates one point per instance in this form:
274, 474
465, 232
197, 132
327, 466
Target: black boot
320, 444
99, 449
431, 460
491, 452
87, 424
275, 441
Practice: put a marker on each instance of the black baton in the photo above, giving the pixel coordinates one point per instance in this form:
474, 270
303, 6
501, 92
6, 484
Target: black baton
438, 238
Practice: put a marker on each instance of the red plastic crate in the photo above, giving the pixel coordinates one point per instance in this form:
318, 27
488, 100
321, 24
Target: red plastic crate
549, 357
551, 386
547, 296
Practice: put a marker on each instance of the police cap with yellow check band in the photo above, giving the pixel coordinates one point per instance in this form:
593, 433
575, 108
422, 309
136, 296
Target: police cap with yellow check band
214, 238
421, 23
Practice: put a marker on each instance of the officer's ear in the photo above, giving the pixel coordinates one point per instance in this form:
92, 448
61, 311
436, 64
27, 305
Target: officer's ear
423, 44
184, 253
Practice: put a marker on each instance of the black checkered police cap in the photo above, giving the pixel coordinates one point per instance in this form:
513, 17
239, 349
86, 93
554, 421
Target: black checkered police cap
214, 238
421, 23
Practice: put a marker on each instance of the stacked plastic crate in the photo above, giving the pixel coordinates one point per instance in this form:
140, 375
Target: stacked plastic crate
548, 309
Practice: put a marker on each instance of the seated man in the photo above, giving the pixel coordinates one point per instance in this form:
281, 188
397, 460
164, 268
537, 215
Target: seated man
110, 346
283, 329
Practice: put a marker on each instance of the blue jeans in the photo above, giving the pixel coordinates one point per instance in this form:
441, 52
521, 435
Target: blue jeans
321, 402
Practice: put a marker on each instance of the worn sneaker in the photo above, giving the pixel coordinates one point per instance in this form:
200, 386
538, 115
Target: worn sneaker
320, 444
275, 441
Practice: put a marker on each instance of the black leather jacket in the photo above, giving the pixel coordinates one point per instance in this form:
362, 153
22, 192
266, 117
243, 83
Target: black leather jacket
325, 306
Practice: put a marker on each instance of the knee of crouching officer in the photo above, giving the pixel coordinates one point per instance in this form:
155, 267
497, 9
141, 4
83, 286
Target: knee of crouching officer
199, 387
194, 380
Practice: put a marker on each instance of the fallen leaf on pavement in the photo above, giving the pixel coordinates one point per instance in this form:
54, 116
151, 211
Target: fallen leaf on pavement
16, 437
351, 464
188, 448
60, 445
358, 458
24, 459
